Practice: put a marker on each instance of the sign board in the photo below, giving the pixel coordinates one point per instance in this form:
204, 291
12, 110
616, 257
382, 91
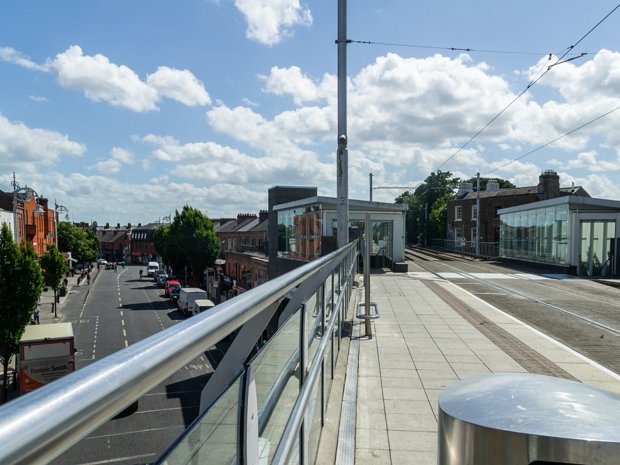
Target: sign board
46, 353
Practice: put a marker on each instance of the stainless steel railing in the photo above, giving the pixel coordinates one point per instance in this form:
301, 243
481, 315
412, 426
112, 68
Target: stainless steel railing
42, 425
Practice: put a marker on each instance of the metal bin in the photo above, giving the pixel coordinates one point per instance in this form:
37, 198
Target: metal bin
527, 419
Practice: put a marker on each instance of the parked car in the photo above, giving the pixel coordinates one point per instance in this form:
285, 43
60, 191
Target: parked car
151, 268
156, 275
173, 290
162, 278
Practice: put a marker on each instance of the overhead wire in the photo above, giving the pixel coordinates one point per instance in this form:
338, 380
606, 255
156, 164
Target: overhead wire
555, 140
567, 50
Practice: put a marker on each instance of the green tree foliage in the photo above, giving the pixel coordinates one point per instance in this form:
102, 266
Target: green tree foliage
427, 215
54, 267
21, 281
82, 243
189, 241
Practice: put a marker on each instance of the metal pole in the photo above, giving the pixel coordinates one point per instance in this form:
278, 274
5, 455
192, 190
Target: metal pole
342, 154
478, 215
56, 223
366, 252
370, 175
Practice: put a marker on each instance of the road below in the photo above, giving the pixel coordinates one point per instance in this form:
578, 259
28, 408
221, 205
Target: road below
116, 310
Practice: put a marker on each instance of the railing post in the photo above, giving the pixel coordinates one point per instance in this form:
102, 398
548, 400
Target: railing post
249, 429
323, 334
303, 366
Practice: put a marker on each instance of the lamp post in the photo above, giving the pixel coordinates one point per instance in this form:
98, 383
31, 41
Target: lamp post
22, 194
58, 208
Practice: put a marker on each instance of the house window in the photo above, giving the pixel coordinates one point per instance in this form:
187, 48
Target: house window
474, 212
474, 234
458, 213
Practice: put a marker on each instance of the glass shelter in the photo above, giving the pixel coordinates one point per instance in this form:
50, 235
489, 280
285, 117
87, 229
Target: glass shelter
579, 234
307, 229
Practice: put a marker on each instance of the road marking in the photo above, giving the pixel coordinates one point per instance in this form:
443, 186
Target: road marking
167, 409
119, 459
133, 432
124, 333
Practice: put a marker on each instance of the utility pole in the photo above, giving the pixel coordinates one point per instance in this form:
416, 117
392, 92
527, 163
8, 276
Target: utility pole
370, 176
478, 214
342, 153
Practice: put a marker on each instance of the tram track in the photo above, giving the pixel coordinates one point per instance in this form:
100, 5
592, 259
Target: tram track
590, 325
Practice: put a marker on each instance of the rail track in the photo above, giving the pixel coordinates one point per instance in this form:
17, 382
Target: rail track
578, 312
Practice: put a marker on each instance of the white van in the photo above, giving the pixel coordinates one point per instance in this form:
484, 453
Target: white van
201, 305
187, 297
151, 268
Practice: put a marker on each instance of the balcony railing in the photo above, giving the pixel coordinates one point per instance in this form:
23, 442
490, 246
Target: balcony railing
272, 403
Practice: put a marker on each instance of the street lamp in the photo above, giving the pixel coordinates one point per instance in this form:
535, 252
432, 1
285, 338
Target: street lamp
23, 194
58, 208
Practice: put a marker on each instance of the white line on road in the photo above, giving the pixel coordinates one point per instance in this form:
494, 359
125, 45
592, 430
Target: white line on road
119, 459
150, 430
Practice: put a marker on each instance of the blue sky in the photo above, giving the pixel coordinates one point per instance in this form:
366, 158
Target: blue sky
125, 111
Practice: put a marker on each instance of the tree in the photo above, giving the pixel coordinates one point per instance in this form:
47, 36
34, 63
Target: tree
20, 286
54, 267
82, 243
425, 219
188, 240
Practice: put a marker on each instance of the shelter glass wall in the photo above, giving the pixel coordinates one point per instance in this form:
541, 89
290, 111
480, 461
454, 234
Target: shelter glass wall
299, 233
539, 235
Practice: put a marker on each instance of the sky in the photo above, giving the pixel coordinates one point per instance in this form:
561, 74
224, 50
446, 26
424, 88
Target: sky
125, 111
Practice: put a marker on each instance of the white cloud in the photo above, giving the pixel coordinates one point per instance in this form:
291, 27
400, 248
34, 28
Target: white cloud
269, 21
38, 99
25, 147
110, 166
291, 81
101, 80
104, 81
179, 85
122, 155
13, 56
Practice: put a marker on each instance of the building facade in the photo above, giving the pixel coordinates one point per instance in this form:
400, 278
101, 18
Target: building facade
306, 229
142, 244
463, 212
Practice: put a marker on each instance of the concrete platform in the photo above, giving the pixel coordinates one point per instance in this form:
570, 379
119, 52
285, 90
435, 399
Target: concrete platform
429, 335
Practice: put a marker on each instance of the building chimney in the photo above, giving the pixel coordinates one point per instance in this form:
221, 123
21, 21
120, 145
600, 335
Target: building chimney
245, 216
548, 185
464, 189
492, 185
263, 215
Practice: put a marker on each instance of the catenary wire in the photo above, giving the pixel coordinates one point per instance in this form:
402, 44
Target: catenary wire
555, 140
533, 82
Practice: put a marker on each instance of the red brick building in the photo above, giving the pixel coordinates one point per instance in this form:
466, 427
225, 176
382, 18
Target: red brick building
462, 211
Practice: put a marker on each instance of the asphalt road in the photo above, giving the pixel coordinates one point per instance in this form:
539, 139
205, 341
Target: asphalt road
115, 311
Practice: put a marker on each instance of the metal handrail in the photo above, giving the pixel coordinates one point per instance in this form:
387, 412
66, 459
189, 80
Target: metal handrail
40, 426
298, 413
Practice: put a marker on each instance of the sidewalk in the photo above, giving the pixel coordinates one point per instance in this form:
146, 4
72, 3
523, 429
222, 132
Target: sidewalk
47, 298
431, 334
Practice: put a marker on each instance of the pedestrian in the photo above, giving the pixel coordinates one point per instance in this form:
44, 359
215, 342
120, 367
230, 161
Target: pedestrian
37, 315
88, 278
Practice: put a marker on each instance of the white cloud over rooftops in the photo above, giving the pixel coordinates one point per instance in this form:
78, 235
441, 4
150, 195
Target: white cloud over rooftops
21, 145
